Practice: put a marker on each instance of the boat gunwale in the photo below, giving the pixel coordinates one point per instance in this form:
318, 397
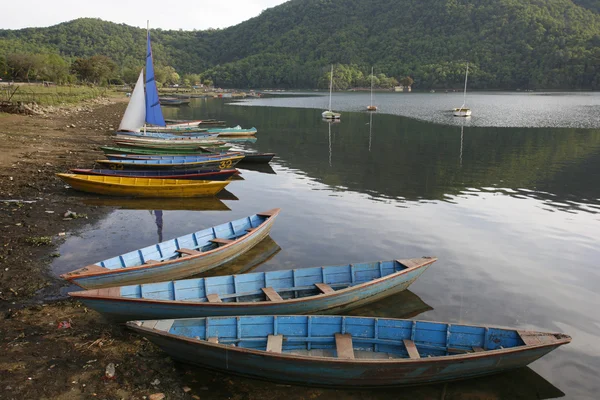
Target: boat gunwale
128, 161
178, 183
72, 277
286, 356
320, 296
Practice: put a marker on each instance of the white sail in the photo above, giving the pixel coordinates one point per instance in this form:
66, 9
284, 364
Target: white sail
135, 114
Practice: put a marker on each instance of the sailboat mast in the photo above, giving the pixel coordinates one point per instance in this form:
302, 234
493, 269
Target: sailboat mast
330, 87
465, 92
372, 68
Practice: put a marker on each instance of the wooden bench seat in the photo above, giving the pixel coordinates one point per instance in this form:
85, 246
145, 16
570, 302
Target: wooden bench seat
411, 348
343, 345
274, 343
188, 252
213, 298
213, 340
271, 294
324, 288
151, 262
221, 241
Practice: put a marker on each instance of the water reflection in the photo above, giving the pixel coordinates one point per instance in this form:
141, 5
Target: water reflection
405, 304
252, 259
262, 168
413, 160
519, 384
192, 204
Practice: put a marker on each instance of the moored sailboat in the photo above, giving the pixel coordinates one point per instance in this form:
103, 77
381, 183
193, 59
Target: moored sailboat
330, 114
464, 111
371, 107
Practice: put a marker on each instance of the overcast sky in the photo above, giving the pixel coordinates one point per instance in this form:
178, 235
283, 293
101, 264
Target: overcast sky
179, 14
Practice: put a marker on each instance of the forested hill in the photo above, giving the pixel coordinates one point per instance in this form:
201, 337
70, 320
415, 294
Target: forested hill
509, 43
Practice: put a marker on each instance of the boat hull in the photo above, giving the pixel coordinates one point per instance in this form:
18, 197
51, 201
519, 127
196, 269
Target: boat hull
222, 175
150, 151
123, 309
144, 187
339, 371
207, 165
177, 269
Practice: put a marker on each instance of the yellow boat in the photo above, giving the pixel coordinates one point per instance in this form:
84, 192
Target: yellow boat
142, 187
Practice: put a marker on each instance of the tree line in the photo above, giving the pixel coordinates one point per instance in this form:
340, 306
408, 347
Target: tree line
509, 44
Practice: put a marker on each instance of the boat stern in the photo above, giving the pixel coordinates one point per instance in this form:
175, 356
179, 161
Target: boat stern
75, 276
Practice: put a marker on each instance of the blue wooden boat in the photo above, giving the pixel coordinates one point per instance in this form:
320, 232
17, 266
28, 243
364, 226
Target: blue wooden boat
222, 175
254, 158
297, 291
165, 135
180, 257
208, 163
346, 351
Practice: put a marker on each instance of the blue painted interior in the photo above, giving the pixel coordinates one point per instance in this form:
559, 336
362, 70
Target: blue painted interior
247, 287
368, 334
174, 160
199, 241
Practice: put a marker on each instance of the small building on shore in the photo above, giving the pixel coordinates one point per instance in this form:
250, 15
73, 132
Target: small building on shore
402, 88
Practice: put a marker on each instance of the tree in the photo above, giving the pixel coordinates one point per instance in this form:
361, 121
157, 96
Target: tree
407, 81
55, 69
166, 75
24, 66
96, 69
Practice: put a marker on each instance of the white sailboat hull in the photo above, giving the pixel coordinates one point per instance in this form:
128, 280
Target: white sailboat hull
331, 115
462, 112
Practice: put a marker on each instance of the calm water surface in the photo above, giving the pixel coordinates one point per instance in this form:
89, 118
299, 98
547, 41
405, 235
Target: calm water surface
512, 213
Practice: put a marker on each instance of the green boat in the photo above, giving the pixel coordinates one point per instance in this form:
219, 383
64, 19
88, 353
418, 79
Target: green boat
141, 151
169, 149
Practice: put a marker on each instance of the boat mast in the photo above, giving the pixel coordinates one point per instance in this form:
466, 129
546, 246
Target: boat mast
372, 85
465, 92
330, 87
147, 33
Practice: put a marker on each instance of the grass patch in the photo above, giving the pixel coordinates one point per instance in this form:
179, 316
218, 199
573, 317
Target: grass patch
39, 240
50, 95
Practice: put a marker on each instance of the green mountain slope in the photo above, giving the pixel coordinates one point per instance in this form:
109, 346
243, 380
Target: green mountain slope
509, 43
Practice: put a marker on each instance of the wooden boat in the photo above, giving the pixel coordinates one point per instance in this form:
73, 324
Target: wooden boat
165, 204
463, 111
166, 135
298, 291
235, 131
256, 158
170, 101
171, 142
207, 164
221, 175
142, 187
173, 147
151, 151
330, 114
346, 351
180, 257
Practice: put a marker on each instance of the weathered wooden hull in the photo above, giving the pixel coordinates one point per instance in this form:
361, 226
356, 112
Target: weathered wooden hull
252, 158
257, 158
207, 165
176, 269
169, 149
124, 309
340, 371
150, 151
167, 134
222, 175
152, 187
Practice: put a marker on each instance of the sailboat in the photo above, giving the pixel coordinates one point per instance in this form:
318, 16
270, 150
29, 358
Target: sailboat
463, 111
144, 106
371, 107
330, 114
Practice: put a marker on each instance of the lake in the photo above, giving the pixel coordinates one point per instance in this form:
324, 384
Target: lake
508, 200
